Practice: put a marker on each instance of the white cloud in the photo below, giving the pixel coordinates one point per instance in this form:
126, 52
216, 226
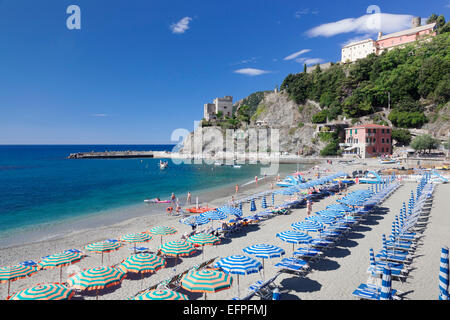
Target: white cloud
309, 61
295, 55
181, 26
245, 61
371, 23
356, 39
251, 72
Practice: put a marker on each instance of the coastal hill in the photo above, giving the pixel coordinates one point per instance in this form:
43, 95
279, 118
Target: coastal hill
407, 88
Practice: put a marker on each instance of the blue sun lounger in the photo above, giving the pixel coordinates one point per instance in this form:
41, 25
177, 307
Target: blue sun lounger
370, 292
307, 253
292, 265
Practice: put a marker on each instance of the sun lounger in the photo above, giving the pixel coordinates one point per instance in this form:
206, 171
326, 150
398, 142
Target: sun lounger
371, 292
308, 253
263, 289
293, 265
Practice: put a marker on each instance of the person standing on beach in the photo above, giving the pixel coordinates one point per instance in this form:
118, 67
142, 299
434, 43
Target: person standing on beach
172, 198
256, 180
188, 200
308, 207
237, 189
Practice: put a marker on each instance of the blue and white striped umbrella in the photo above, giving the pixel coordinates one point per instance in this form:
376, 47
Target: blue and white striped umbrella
196, 220
252, 205
308, 225
386, 284
214, 215
230, 210
443, 275
240, 205
265, 251
264, 203
340, 207
240, 265
322, 219
294, 237
273, 199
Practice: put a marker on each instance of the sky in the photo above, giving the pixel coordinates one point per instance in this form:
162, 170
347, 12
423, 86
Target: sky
136, 70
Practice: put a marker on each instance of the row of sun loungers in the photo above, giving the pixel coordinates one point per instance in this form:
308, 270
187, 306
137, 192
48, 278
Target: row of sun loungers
397, 253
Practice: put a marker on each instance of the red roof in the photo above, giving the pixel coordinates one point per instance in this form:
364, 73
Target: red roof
369, 126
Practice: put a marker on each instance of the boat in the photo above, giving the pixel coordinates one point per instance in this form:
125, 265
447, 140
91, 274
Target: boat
237, 166
199, 210
371, 178
290, 181
388, 161
217, 163
163, 164
156, 201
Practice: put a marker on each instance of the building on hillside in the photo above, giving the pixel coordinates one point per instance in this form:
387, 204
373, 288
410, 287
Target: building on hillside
223, 105
400, 39
369, 140
358, 50
361, 49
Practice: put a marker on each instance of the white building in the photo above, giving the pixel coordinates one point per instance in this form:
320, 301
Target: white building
358, 50
224, 105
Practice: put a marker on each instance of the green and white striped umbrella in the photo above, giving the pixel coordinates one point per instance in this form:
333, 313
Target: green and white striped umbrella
96, 279
162, 231
136, 238
103, 246
142, 263
177, 248
55, 291
203, 239
160, 295
60, 260
13, 273
206, 281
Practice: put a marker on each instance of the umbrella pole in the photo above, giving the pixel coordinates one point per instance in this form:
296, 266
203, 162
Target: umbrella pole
60, 275
264, 271
238, 286
102, 257
9, 285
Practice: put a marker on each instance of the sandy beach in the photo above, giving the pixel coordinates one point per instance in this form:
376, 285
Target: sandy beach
335, 276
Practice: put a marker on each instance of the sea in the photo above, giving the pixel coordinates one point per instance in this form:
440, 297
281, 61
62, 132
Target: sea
42, 192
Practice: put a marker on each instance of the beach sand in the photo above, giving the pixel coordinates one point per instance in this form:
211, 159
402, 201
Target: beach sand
334, 277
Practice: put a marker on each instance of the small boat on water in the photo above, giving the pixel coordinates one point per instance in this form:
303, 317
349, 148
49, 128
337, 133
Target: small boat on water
156, 200
217, 163
163, 164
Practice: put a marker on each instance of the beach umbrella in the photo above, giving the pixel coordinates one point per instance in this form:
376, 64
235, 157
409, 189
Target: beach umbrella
322, 219
214, 215
203, 239
264, 203
136, 238
160, 295
230, 210
386, 284
340, 207
55, 291
14, 273
240, 205
273, 199
294, 237
196, 220
206, 281
60, 260
308, 225
264, 251
142, 263
252, 205
162, 231
96, 279
443, 275
103, 246
239, 264
177, 248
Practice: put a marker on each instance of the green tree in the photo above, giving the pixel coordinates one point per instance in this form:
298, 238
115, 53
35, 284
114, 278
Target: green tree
425, 142
402, 136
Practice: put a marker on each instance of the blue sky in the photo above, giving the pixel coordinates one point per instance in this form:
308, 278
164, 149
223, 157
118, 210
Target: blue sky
139, 69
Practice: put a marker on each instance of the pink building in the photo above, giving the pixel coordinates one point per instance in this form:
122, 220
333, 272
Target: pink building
369, 140
393, 40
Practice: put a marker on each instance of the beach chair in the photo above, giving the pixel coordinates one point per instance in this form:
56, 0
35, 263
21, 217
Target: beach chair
307, 253
293, 265
371, 292
263, 289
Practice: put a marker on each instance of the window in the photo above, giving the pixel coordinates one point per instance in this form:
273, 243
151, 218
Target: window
368, 130
374, 130
387, 140
374, 150
382, 150
350, 131
387, 130
382, 130
382, 140
356, 131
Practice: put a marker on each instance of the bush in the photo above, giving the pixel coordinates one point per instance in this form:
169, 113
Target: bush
320, 117
405, 119
402, 136
331, 149
425, 142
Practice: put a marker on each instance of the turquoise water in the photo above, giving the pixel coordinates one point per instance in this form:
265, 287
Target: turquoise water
40, 186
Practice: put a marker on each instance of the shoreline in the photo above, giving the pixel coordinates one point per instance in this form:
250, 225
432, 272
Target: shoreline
59, 229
